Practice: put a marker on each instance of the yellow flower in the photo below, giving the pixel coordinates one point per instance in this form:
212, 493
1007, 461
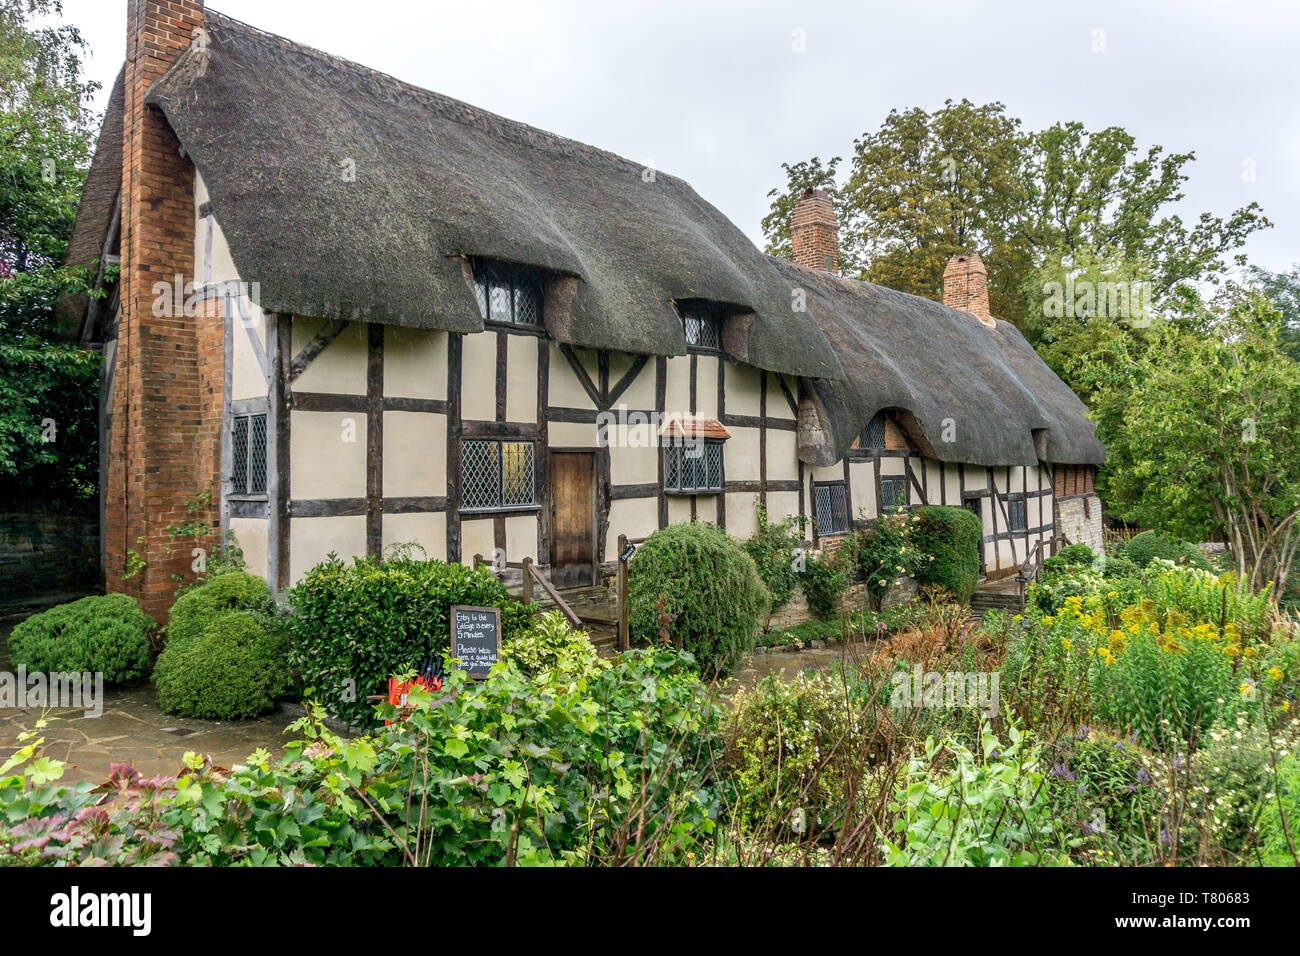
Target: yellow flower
1275, 673
1065, 642
1286, 706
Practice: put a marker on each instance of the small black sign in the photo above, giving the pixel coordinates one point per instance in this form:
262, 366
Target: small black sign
476, 638
626, 556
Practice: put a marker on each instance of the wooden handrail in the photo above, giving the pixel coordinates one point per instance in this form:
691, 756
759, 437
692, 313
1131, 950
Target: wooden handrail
531, 574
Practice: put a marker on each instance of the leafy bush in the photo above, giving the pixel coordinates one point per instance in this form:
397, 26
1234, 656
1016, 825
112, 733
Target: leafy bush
106, 634
1079, 555
792, 753
199, 605
708, 585
551, 643
1103, 790
356, 625
1143, 548
616, 768
950, 540
824, 581
986, 808
886, 550
775, 549
1275, 847
234, 667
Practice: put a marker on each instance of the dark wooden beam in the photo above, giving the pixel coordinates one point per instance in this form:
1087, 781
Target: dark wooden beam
320, 341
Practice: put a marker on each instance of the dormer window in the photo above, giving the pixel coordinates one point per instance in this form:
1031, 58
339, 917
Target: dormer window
508, 295
702, 323
873, 436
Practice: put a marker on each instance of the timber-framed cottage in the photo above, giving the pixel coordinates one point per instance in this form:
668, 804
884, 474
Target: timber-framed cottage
365, 314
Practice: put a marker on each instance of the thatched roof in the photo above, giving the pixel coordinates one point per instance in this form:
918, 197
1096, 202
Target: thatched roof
95, 210
273, 127
927, 362
271, 124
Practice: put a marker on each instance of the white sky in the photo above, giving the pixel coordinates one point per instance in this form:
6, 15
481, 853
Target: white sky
714, 92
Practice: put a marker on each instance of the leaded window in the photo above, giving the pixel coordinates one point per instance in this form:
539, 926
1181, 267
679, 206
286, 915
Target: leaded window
248, 454
702, 323
693, 466
508, 295
893, 493
1016, 516
831, 509
873, 436
497, 475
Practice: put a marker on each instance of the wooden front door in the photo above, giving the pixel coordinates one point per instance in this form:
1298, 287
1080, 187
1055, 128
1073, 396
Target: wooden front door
573, 496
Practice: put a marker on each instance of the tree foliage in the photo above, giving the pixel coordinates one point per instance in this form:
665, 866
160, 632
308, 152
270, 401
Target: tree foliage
926, 186
47, 388
1203, 431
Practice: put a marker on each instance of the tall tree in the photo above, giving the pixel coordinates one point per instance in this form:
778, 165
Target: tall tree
965, 178
47, 388
1203, 430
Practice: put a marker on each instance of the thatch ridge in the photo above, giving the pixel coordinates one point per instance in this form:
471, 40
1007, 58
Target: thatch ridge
986, 389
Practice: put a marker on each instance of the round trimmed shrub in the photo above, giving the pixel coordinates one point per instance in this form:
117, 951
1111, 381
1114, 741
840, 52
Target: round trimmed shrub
107, 634
234, 667
701, 585
198, 606
356, 625
1144, 548
1077, 555
951, 538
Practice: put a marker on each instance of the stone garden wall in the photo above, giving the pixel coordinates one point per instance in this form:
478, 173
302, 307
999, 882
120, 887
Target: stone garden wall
48, 547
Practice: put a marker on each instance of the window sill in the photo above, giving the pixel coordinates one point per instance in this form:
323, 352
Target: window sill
689, 492
247, 496
493, 512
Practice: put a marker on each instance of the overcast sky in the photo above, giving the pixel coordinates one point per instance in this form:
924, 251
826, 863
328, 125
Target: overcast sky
716, 92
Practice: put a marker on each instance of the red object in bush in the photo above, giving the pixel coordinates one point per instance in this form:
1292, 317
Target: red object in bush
399, 689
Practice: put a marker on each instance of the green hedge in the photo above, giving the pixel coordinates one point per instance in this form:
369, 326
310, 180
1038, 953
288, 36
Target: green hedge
711, 590
233, 667
235, 591
107, 634
1144, 548
354, 626
951, 537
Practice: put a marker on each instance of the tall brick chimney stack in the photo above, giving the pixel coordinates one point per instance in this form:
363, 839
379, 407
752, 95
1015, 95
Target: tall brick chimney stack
966, 286
814, 233
164, 439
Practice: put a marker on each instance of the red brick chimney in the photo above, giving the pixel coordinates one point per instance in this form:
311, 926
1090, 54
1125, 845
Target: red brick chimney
814, 233
966, 286
164, 441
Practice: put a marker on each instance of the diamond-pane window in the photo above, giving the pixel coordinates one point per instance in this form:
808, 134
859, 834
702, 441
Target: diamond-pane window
702, 324
510, 295
693, 466
497, 474
831, 503
527, 306
516, 473
248, 455
893, 493
873, 436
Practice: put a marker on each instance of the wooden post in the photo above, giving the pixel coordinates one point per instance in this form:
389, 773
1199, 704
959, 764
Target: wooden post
478, 559
528, 580
624, 638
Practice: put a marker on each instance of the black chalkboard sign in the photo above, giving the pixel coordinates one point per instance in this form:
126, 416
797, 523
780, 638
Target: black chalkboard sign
476, 638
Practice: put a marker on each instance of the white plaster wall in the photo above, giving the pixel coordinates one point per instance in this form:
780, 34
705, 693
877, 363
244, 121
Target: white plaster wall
328, 455
521, 378
415, 363
312, 540
478, 377
415, 454
428, 530
740, 456
341, 368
